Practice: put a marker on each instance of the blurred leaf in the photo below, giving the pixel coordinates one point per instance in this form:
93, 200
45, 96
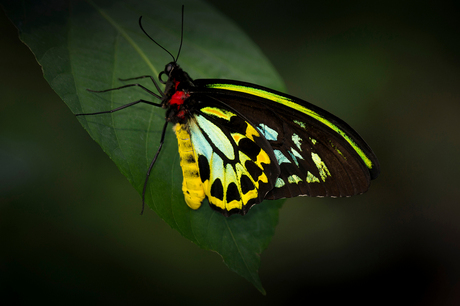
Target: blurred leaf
86, 44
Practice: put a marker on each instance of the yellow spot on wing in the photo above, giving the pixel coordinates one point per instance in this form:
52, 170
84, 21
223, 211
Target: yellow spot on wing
218, 112
323, 170
250, 131
237, 137
294, 179
311, 178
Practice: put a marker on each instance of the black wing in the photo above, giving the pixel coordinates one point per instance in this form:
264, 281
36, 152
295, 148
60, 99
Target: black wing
318, 153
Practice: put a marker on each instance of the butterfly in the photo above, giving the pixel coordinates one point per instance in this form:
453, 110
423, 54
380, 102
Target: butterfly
240, 143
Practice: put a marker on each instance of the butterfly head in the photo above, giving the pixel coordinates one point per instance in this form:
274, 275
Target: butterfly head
177, 79
169, 71
170, 67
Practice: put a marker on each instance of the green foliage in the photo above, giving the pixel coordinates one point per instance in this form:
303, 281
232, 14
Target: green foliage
90, 45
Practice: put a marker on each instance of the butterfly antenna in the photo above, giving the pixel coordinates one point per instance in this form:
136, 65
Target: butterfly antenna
181, 34
142, 28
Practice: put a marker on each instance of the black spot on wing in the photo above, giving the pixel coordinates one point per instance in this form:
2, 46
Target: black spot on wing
232, 193
217, 190
203, 165
253, 169
246, 184
250, 148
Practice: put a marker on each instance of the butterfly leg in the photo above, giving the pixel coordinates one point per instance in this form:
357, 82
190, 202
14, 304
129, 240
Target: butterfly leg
121, 107
130, 85
132, 103
162, 140
143, 77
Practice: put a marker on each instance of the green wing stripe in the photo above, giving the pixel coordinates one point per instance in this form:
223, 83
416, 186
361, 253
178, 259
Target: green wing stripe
289, 103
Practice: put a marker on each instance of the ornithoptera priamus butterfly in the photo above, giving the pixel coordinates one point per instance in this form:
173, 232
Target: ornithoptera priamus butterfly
241, 143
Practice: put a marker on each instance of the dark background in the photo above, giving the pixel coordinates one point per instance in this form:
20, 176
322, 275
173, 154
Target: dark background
70, 230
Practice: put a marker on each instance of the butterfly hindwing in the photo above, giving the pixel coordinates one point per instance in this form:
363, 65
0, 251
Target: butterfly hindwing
236, 164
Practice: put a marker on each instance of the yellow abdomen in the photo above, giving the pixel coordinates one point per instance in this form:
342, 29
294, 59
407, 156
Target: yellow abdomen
192, 187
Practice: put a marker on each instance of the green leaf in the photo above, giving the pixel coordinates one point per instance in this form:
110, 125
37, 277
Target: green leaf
91, 44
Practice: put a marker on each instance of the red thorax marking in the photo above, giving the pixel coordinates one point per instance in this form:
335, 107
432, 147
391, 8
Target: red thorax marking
178, 98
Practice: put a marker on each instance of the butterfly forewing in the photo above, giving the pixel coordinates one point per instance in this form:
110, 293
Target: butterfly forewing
318, 154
